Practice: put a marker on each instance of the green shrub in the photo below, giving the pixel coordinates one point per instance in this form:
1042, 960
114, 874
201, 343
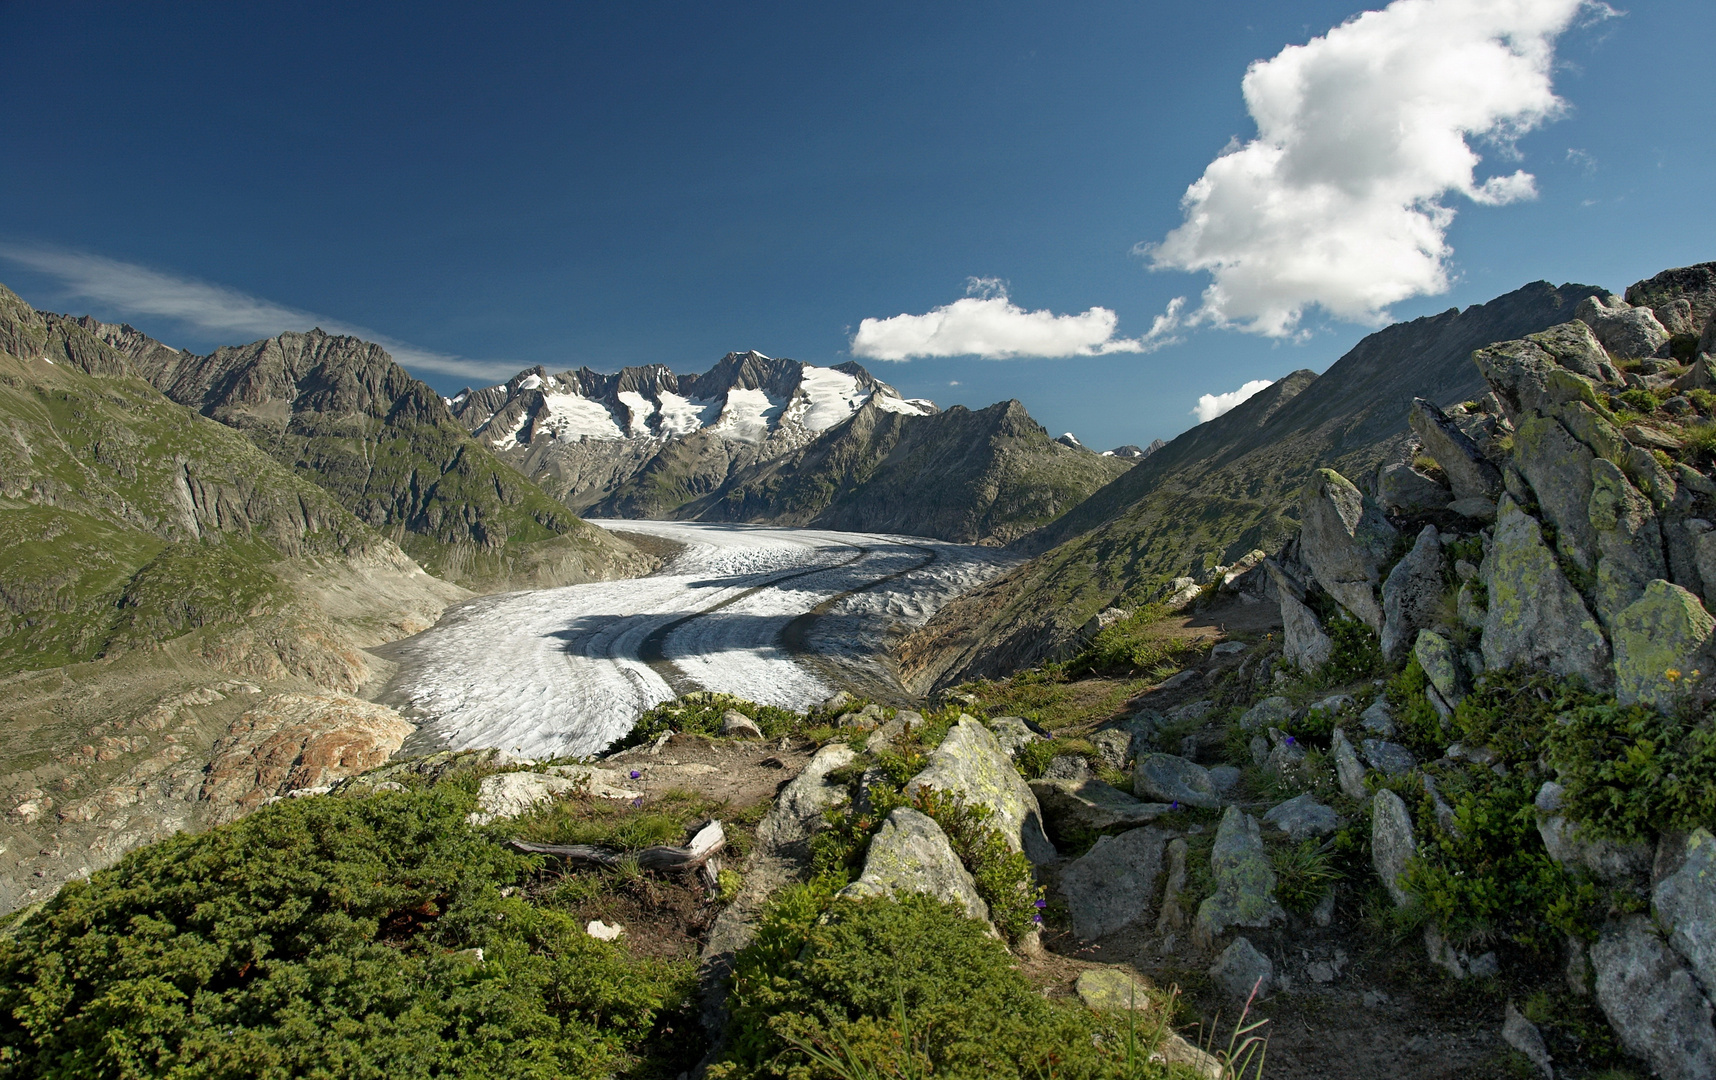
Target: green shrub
1357, 654
1003, 876
1702, 400
1304, 873
1698, 443
321, 937
1631, 771
1416, 722
1642, 401
902, 987
700, 714
1138, 644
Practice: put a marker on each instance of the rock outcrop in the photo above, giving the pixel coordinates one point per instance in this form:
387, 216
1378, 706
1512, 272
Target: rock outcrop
1114, 883
970, 763
910, 853
1345, 539
1244, 880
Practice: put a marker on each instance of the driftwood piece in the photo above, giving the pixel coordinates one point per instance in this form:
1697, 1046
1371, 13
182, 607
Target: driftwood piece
703, 845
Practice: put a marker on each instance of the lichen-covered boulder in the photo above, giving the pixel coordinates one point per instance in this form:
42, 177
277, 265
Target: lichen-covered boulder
1574, 347
1629, 541
1412, 595
1660, 638
1244, 880
1303, 817
1442, 665
1404, 490
1390, 759
1303, 641
798, 809
1535, 616
1114, 883
971, 764
1526, 379
1378, 719
1089, 803
910, 853
1392, 843
1684, 903
1652, 1001
1166, 778
1558, 468
1268, 713
507, 795
1114, 746
1470, 474
1344, 538
1241, 970
1012, 733
1626, 331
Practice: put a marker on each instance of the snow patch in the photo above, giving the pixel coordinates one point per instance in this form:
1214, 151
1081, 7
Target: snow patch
573, 416
833, 396
749, 415
641, 409
682, 415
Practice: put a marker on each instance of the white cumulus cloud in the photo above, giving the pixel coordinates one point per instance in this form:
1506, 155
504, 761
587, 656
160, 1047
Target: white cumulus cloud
135, 290
987, 323
1362, 134
1210, 406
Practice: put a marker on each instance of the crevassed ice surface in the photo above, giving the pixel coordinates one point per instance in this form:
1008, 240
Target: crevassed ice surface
558, 672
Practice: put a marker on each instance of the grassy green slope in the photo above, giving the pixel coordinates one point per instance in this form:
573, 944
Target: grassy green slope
990, 475
342, 414
126, 519
1221, 488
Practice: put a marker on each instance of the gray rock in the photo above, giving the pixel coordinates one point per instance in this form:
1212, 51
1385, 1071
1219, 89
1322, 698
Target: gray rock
1660, 639
1629, 541
1013, 734
1169, 779
869, 718
1324, 913
1191, 712
1378, 719
1391, 843
1573, 346
1626, 331
1092, 804
1114, 883
1303, 817
1244, 880
910, 853
1105, 989
1535, 615
1607, 860
507, 795
1349, 770
1304, 642
1103, 619
1228, 648
1259, 747
1241, 970
1439, 806
1172, 917
1334, 703
1476, 509
1469, 607
1442, 665
736, 724
1684, 903
971, 764
1224, 778
1174, 682
1471, 475
1652, 1001
1390, 759
1115, 747
891, 734
1525, 379
1285, 752
799, 807
1067, 767
1344, 538
1404, 490
1558, 468
1270, 712
1487, 966
1412, 595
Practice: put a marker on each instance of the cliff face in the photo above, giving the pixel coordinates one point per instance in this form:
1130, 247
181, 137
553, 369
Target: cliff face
339, 412
1222, 488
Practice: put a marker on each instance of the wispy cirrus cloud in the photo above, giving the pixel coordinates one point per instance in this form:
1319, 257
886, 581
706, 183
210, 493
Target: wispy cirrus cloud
987, 323
1363, 134
134, 290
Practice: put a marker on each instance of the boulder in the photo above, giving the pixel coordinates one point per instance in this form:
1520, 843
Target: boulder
1470, 474
1170, 779
1401, 489
1114, 747
1241, 971
1114, 883
1522, 1035
1608, 860
971, 764
506, 795
1558, 468
1067, 767
1191, 712
1244, 880
1107, 989
1525, 379
1412, 595
869, 718
1332, 704
1698, 376
1390, 759
1224, 778
1626, 332
1012, 733
1173, 915
1378, 719
910, 853
1344, 538
737, 725
1535, 616
1285, 752
1304, 642
1391, 843
1576, 348
799, 808
1442, 665
1104, 619
1629, 541
1092, 804
895, 731
1652, 1001
1270, 712
1684, 903
1349, 770
1660, 639
1303, 817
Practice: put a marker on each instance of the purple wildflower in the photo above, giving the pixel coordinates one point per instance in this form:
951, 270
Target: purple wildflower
1038, 919
1289, 740
1176, 805
1041, 903
635, 774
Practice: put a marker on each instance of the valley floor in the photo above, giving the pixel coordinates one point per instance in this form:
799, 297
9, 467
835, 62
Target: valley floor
778, 616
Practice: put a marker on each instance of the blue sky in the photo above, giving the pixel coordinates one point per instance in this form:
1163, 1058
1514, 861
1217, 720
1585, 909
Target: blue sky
562, 184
